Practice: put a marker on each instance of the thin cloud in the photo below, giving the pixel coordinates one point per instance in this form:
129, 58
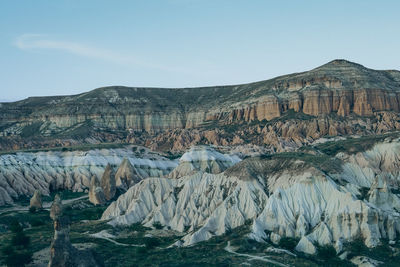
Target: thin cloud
39, 41
28, 42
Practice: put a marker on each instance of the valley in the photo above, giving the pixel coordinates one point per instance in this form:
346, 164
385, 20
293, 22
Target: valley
300, 170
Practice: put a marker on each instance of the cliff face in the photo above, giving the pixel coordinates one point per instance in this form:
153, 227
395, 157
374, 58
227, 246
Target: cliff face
337, 88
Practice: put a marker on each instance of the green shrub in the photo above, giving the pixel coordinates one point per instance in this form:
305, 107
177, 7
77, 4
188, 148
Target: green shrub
141, 250
16, 227
20, 239
151, 242
157, 225
16, 259
357, 247
326, 252
32, 209
288, 243
37, 222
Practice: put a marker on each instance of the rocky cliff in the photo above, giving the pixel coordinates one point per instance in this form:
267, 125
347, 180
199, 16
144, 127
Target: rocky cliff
338, 89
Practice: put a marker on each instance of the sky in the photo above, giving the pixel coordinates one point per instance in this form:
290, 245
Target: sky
68, 47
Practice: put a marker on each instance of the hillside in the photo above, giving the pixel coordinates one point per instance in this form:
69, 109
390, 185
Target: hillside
339, 97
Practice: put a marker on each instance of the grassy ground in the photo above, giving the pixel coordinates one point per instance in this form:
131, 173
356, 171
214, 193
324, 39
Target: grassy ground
148, 250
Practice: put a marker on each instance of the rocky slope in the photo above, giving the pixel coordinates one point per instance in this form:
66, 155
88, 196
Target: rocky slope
23, 173
121, 114
315, 198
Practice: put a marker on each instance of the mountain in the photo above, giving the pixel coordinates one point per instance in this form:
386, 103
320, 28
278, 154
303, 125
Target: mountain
338, 98
300, 170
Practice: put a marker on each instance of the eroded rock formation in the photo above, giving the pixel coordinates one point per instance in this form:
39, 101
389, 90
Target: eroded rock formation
62, 253
108, 183
21, 174
126, 176
36, 200
96, 192
283, 196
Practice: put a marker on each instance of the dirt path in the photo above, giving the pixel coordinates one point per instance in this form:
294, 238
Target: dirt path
253, 257
107, 236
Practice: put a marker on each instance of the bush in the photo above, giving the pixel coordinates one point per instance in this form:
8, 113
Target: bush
141, 250
326, 252
37, 222
16, 259
32, 209
157, 225
151, 242
357, 247
288, 243
20, 239
16, 227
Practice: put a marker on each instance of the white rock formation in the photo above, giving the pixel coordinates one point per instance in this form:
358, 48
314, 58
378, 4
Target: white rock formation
288, 198
23, 173
205, 159
306, 245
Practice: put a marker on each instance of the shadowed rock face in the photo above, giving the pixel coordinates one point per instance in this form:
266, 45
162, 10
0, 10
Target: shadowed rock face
337, 88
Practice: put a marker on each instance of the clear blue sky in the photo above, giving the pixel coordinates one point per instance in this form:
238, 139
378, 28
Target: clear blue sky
55, 47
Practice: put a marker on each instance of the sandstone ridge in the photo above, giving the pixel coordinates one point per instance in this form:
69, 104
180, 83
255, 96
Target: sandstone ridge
339, 88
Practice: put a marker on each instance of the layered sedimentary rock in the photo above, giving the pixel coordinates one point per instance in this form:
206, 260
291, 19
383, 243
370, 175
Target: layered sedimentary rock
284, 134
282, 196
23, 173
113, 113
